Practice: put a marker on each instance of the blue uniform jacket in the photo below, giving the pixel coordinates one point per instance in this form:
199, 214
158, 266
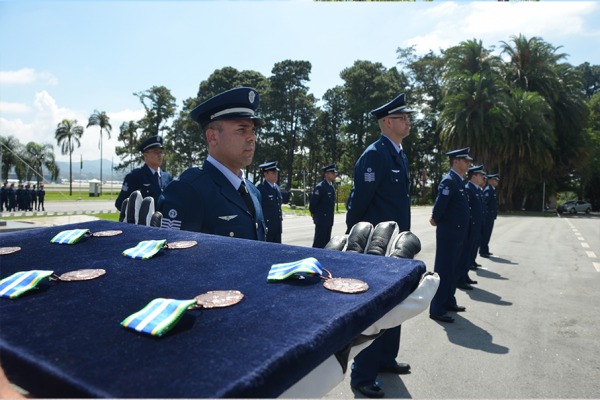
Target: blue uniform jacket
451, 209
203, 200
491, 202
322, 203
381, 187
271, 204
142, 179
475, 197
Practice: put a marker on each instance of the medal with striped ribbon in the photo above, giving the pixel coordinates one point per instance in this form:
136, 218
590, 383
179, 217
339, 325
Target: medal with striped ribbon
21, 282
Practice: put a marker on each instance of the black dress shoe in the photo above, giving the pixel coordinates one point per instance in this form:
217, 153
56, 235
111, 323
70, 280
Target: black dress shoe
399, 369
485, 255
475, 264
441, 318
457, 308
372, 391
471, 281
465, 286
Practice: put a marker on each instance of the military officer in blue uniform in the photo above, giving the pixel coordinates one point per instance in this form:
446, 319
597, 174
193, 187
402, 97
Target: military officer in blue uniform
272, 198
150, 179
4, 196
473, 187
381, 180
491, 204
216, 198
450, 216
322, 206
381, 193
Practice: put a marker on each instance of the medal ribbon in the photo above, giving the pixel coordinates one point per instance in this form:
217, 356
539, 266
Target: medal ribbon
158, 317
283, 271
20, 282
145, 249
69, 237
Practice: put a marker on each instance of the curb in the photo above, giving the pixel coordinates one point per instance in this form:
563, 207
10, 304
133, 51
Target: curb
51, 213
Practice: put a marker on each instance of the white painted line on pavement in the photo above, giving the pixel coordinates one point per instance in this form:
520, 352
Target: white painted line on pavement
580, 238
591, 254
597, 266
585, 245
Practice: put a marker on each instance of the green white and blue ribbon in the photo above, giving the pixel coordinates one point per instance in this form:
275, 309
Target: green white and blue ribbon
158, 317
21, 282
145, 249
283, 271
71, 236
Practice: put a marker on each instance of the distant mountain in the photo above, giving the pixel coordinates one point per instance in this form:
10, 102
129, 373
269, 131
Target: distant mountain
90, 170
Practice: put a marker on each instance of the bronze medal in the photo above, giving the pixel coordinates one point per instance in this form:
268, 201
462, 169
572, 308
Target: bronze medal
346, 285
185, 244
219, 298
8, 250
81, 275
107, 233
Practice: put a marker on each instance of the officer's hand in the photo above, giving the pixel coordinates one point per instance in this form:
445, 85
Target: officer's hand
385, 239
136, 210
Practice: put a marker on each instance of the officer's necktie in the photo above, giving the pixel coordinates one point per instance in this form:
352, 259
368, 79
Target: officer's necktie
157, 177
247, 199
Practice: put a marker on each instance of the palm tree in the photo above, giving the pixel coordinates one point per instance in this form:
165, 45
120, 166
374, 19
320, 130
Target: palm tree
9, 148
67, 134
37, 156
102, 120
533, 66
525, 153
476, 105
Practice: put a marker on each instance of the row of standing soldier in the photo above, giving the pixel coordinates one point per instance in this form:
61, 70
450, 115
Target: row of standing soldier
23, 198
463, 215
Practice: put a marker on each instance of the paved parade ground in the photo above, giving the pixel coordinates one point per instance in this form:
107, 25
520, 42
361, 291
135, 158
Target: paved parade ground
532, 325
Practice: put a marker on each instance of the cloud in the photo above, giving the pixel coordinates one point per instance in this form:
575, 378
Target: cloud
46, 114
493, 22
558, 18
13, 108
26, 76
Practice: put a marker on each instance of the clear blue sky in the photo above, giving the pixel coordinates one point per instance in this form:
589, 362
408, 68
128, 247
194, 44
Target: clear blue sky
64, 59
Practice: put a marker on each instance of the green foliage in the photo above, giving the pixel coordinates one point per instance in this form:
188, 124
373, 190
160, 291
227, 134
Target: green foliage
67, 134
525, 114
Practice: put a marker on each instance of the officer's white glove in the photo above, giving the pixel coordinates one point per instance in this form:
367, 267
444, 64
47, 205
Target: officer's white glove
136, 210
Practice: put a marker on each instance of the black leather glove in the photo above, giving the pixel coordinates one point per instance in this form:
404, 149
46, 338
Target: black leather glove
383, 239
136, 210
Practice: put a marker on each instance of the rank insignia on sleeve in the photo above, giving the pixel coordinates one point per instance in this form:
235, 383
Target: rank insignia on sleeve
446, 191
369, 175
124, 187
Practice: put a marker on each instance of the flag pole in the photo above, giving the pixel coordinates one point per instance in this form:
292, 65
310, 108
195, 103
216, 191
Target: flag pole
80, 168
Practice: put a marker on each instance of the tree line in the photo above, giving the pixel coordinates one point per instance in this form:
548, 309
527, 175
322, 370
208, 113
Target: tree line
524, 112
